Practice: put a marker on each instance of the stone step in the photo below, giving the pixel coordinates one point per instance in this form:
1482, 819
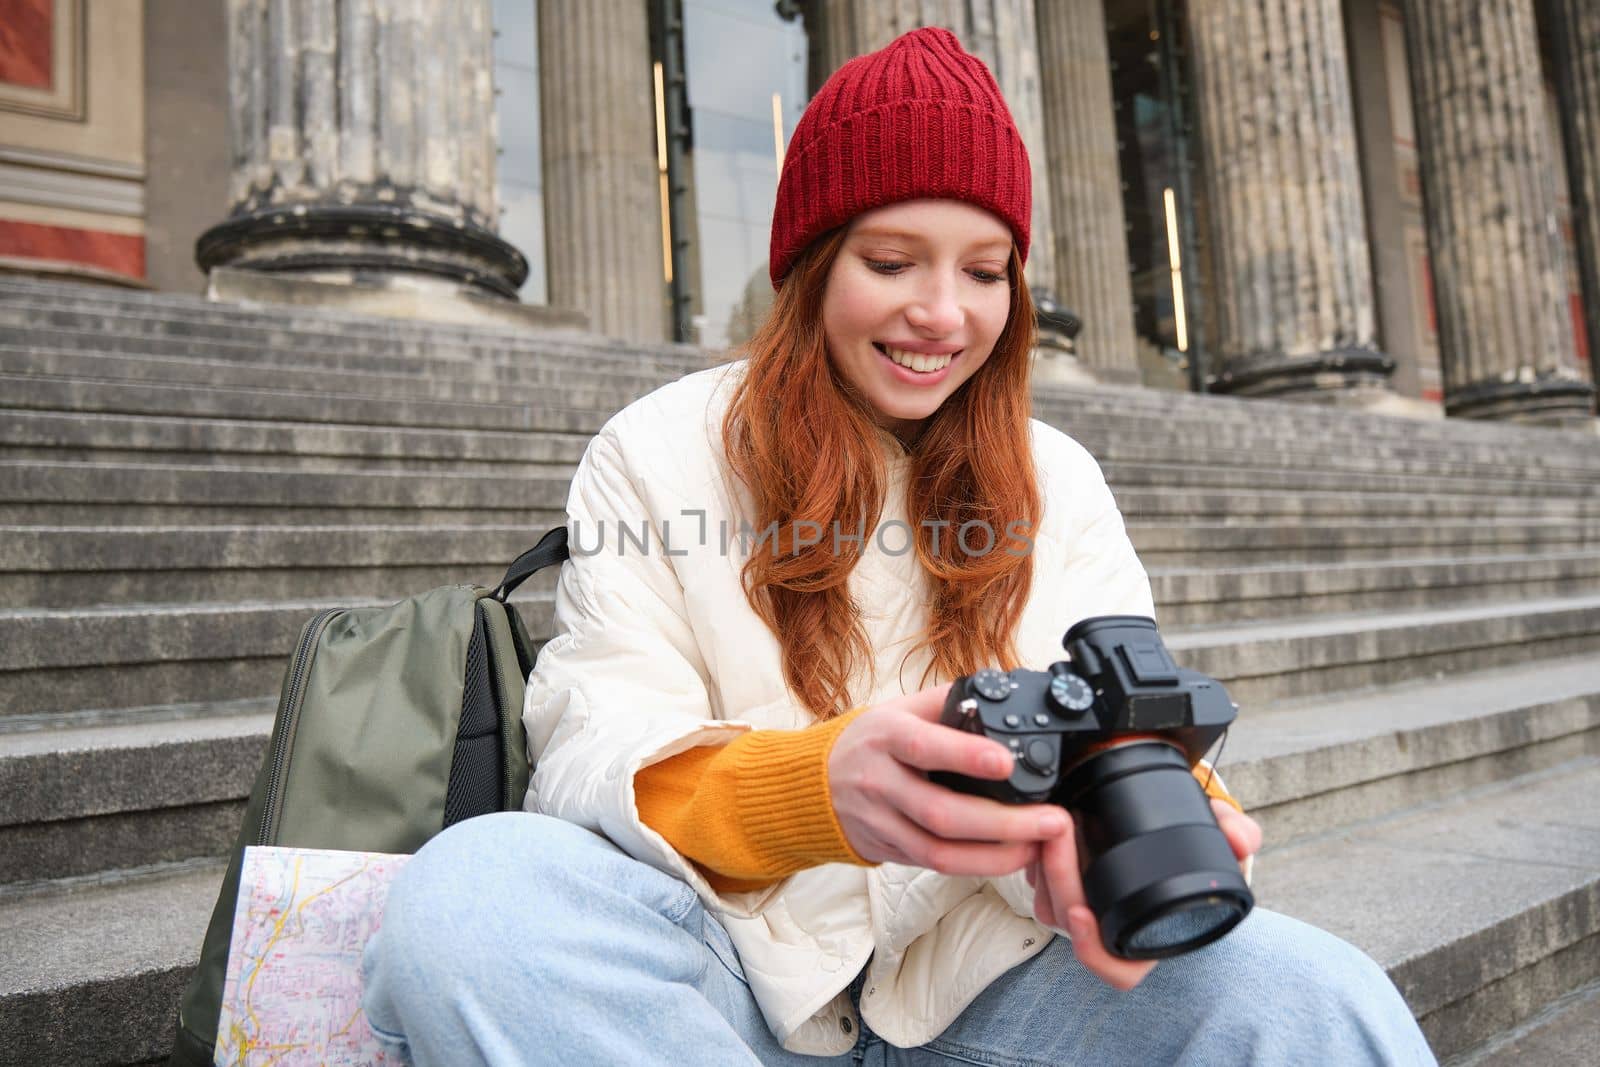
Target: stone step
56, 435
486, 357
81, 792
71, 566
1290, 477
101, 438
179, 316
478, 358
176, 317
565, 387
1222, 422
1565, 1031
1230, 445
1279, 660
93, 969
1210, 544
1069, 402
1090, 417
265, 432
1198, 596
77, 566
1475, 908
292, 404
604, 397
1482, 909
1303, 768
497, 381
540, 381
33, 493
62, 660
153, 785
1142, 504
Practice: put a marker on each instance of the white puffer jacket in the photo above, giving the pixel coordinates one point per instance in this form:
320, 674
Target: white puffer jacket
656, 650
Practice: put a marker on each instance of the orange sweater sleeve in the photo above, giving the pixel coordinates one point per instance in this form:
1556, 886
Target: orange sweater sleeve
758, 809
1213, 785
753, 811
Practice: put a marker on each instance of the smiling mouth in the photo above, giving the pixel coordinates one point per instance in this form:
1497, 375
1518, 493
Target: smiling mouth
916, 362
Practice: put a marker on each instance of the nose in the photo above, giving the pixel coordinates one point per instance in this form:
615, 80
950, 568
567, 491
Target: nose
935, 309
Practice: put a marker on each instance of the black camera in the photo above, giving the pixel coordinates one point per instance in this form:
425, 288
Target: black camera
1110, 734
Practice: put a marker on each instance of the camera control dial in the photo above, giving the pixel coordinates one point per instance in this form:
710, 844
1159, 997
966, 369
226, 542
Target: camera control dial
992, 684
1070, 694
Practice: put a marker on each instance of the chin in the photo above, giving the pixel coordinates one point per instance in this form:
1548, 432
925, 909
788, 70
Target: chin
909, 413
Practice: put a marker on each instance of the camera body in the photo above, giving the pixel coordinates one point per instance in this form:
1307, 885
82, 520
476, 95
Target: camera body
1120, 682
1110, 734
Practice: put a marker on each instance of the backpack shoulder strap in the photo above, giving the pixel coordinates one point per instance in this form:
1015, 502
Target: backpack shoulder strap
551, 549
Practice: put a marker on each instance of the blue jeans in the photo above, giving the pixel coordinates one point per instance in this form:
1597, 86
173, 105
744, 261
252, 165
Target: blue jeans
521, 939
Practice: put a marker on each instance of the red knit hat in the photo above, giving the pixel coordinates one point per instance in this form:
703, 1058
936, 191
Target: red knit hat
921, 117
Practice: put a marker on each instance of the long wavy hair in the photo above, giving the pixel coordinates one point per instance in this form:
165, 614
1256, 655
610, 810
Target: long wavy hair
805, 445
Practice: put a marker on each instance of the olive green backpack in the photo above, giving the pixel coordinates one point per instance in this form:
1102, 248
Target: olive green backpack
393, 723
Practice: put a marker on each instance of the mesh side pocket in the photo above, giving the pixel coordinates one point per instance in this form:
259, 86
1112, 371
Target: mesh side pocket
475, 765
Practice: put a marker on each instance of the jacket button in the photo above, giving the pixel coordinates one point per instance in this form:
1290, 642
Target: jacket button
844, 1024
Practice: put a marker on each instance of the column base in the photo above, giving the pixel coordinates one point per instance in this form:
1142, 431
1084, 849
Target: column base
1052, 363
1548, 400
1304, 377
363, 243
426, 299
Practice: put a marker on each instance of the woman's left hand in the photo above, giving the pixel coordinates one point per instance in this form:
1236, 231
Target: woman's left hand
1058, 899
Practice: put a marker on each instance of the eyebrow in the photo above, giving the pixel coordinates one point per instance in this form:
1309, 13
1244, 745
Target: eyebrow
906, 235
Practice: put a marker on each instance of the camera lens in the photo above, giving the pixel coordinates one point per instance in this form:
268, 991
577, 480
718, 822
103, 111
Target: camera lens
1158, 873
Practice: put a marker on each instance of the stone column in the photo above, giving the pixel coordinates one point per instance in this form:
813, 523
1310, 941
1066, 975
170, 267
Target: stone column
602, 193
843, 29
1091, 250
1575, 29
1499, 267
1294, 295
363, 145
1002, 33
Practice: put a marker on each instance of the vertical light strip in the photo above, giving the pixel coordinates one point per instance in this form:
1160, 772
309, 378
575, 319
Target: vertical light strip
777, 129
661, 168
1180, 321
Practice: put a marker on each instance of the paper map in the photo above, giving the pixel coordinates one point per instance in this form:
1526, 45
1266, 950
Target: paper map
292, 993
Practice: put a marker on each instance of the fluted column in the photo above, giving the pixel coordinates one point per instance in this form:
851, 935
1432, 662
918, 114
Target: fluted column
363, 144
1091, 250
1002, 33
1294, 278
843, 29
1576, 31
602, 194
1488, 167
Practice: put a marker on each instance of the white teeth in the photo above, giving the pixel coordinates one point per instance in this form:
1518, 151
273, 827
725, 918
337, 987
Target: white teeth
917, 361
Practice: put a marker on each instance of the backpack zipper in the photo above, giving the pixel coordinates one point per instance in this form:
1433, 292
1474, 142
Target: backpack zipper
495, 681
289, 719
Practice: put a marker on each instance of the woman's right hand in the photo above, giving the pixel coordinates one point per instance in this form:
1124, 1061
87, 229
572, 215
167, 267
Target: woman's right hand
890, 812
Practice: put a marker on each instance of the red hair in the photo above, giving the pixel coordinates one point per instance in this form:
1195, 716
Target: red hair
806, 447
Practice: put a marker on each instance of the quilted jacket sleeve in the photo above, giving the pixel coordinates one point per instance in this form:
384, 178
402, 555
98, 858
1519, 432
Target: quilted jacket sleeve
621, 685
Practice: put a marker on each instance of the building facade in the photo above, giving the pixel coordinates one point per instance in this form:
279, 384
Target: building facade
1352, 201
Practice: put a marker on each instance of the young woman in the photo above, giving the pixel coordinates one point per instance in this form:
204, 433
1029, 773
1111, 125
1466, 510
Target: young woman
779, 565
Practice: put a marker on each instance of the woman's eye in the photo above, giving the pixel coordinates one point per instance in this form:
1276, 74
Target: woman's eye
988, 277
883, 266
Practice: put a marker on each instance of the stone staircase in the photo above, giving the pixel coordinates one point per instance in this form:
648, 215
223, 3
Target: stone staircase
1408, 612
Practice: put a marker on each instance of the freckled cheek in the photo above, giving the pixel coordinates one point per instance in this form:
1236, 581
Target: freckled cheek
861, 311
996, 317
